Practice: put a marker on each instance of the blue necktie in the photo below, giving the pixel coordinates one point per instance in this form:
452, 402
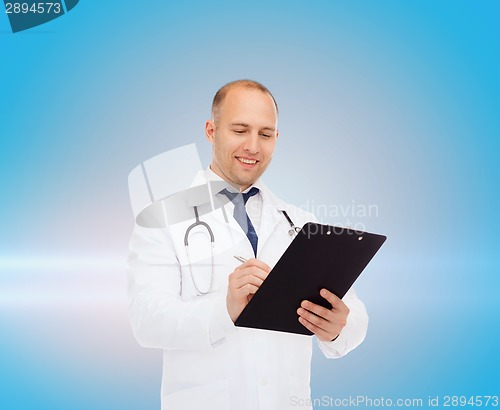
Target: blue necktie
240, 214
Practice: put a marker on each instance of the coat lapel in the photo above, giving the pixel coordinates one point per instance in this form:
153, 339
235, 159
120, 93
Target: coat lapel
271, 219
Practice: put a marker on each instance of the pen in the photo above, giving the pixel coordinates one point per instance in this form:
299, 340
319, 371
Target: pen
240, 258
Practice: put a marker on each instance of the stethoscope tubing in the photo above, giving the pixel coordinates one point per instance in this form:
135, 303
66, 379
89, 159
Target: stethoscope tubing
212, 245
292, 232
195, 224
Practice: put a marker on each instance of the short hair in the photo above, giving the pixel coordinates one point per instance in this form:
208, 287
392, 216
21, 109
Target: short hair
220, 95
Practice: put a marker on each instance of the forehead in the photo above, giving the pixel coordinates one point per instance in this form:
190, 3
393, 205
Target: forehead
246, 104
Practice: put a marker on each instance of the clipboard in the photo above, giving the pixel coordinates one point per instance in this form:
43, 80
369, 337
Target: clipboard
320, 256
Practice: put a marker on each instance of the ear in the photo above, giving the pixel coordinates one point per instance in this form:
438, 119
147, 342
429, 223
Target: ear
210, 131
277, 133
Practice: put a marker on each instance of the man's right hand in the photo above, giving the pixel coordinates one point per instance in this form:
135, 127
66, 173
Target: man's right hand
243, 283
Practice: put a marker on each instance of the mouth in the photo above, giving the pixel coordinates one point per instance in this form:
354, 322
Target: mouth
248, 162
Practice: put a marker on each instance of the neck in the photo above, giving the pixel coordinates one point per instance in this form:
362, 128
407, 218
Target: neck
216, 170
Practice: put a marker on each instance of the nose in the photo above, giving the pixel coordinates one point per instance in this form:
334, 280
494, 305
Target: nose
252, 144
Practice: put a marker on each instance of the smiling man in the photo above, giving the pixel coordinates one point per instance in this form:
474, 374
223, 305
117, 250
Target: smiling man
208, 362
243, 132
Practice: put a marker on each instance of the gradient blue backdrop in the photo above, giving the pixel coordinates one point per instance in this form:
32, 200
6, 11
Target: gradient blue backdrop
388, 104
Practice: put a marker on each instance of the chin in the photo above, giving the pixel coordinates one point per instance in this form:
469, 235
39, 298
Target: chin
244, 183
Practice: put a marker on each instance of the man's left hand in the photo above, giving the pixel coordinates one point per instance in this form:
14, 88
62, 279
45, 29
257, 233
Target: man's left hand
325, 323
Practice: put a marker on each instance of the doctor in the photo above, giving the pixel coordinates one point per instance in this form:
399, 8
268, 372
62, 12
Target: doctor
208, 363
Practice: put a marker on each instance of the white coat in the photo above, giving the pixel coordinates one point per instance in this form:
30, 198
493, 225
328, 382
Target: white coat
208, 363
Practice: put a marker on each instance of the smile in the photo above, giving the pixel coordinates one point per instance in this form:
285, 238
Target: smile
247, 160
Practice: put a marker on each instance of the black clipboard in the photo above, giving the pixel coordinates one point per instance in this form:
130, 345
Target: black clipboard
320, 256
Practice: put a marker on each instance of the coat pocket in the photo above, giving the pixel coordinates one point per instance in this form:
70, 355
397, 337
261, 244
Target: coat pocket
210, 396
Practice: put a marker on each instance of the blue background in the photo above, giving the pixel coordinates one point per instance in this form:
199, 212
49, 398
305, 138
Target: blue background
384, 103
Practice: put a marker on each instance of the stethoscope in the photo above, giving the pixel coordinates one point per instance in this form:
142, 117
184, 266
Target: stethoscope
212, 246
294, 230
292, 233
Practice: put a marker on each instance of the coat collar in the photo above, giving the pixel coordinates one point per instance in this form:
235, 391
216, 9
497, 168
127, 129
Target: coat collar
271, 207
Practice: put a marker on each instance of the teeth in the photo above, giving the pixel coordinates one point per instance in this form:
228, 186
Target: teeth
247, 161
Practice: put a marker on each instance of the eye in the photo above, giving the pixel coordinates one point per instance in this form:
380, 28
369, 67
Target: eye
265, 135
239, 131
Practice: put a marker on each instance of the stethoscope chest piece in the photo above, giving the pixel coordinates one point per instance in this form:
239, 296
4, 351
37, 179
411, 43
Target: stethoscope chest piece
294, 230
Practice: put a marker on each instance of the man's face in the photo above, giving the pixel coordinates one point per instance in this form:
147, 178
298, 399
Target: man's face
243, 136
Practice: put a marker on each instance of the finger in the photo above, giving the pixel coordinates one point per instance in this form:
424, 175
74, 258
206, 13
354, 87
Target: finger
333, 299
250, 270
317, 321
255, 262
246, 290
318, 310
245, 280
333, 320
319, 332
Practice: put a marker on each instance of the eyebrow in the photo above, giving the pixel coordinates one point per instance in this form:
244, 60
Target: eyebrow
242, 124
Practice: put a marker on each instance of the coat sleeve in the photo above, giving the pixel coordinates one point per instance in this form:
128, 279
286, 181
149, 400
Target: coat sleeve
160, 318
354, 331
